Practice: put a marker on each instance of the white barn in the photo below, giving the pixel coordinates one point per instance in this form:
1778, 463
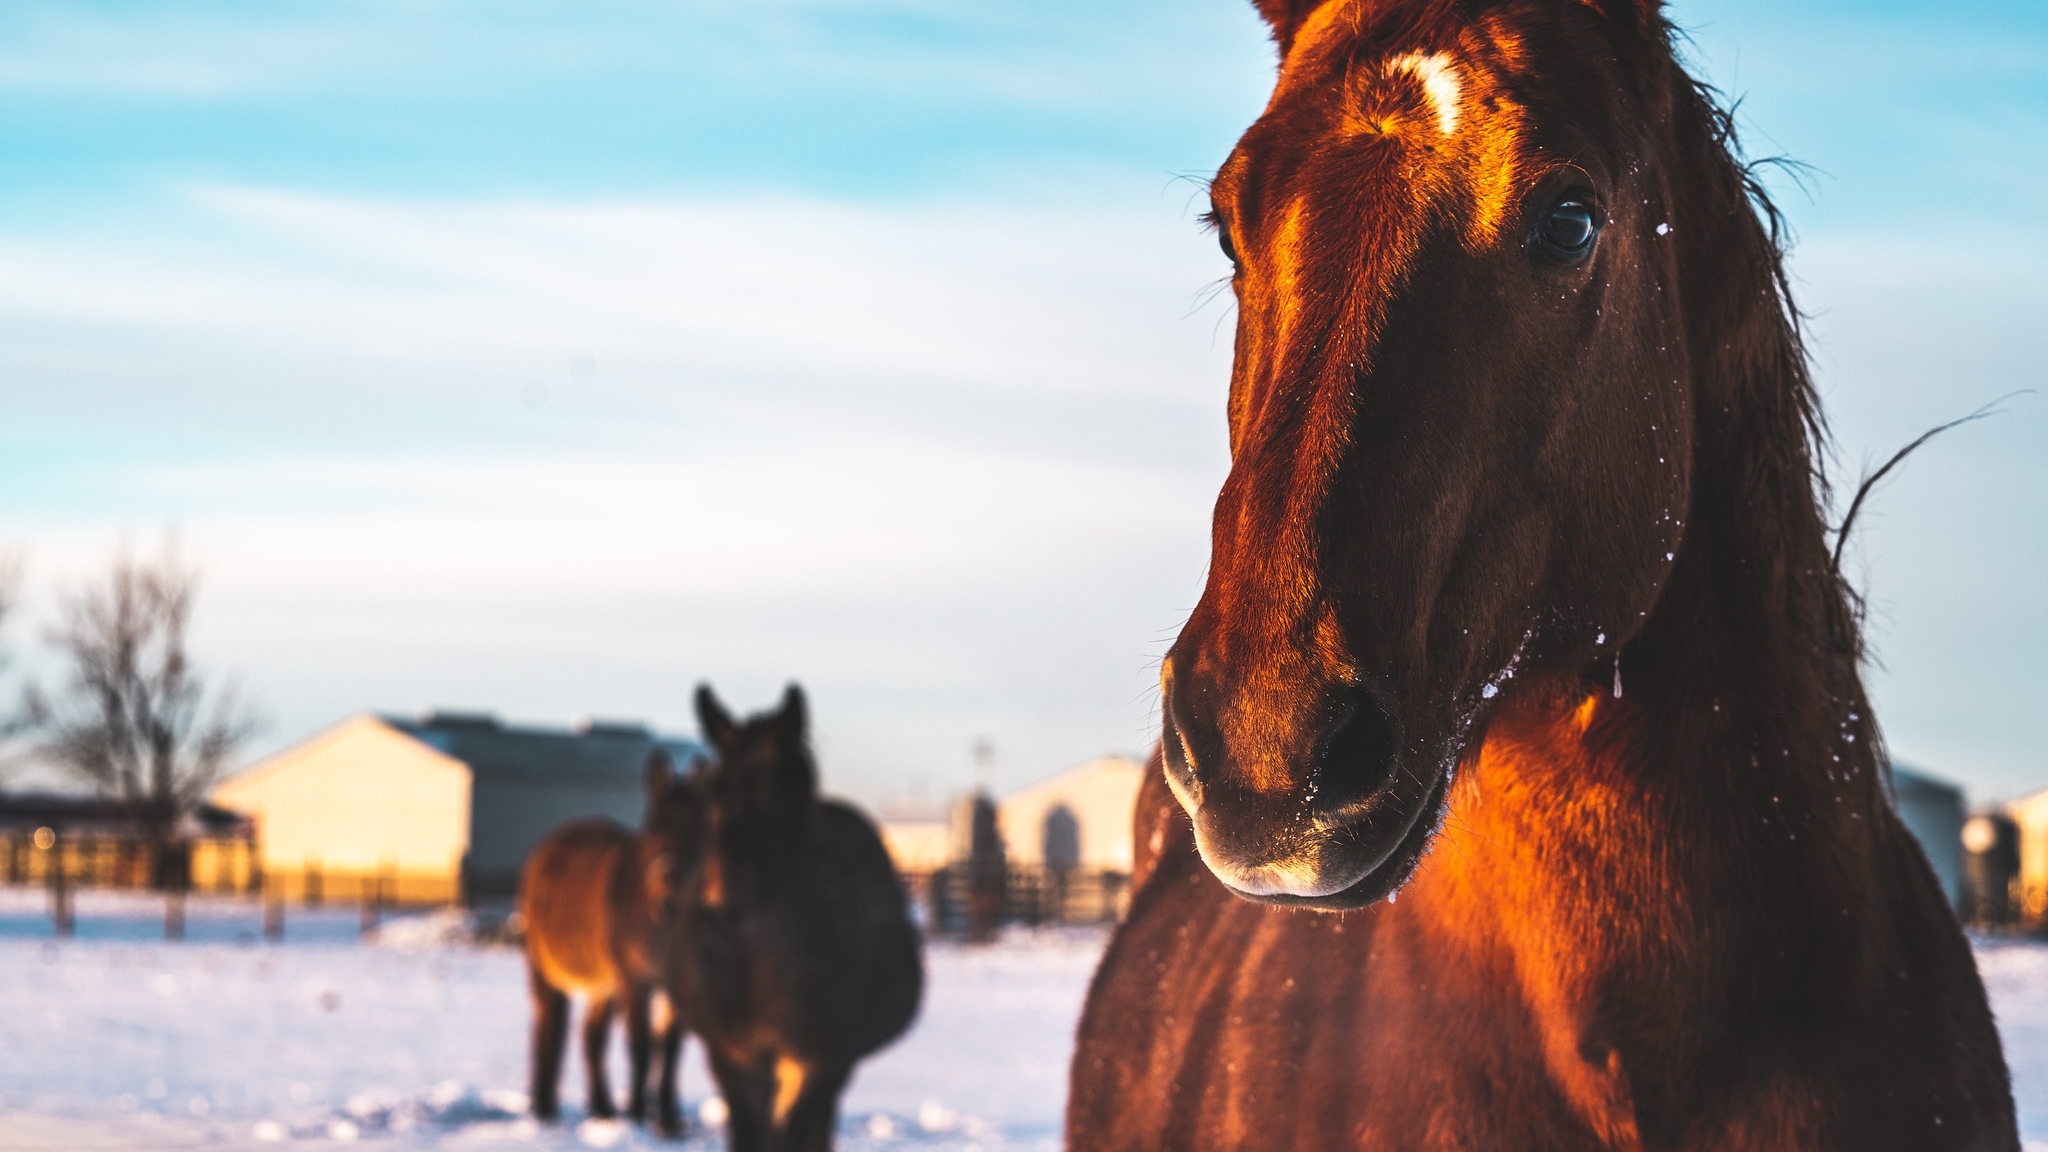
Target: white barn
433, 809
1080, 818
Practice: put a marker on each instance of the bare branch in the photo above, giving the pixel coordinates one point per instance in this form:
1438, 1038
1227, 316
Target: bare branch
1870, 482
15, 722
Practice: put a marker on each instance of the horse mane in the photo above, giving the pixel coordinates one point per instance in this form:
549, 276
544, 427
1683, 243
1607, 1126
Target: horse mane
1784, 360
1760, 619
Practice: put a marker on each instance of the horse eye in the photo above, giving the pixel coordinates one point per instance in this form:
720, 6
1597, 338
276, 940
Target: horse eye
1566, 233
1213, 218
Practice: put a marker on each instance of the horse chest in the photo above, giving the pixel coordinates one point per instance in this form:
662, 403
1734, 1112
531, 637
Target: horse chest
1273, 1029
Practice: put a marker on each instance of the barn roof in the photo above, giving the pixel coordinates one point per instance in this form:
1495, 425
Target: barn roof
538, 755
69, 811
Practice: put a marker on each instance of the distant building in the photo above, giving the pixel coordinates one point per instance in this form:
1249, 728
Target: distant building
1991, 869
433, 809
1080, 818
919, 840
2030, 812
1932, 811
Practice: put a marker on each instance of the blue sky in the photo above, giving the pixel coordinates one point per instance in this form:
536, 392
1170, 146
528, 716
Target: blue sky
550, 356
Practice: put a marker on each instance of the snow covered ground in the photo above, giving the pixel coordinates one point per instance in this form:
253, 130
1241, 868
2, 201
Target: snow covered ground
116, 1040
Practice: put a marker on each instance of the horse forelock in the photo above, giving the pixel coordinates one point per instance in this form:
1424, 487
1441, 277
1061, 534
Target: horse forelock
1381, 143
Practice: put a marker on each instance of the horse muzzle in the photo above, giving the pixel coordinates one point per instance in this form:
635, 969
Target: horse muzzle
1341, 824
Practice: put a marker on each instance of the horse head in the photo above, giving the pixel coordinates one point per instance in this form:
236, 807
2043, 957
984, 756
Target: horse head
761, 790
1461, 417
672, 830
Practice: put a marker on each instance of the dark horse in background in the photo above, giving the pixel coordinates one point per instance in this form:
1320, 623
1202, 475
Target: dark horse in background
800, 956
1521, 609
595, 898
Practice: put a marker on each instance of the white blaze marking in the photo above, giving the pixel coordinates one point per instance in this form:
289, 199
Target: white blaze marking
1439, 82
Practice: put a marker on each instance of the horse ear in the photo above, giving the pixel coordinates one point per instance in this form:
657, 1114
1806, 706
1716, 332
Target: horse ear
796, 713
1286, 17
712, 718
657, 775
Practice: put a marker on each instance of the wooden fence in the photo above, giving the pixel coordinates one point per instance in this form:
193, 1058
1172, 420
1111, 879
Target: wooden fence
225, 864
958, 900
64, 863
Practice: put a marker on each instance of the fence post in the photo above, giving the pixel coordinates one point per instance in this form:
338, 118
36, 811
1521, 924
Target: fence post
1112, 896
937, 892
372, 894
63, 921
174, 867
273, 916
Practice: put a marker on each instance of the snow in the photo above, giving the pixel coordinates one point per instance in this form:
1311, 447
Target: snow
2016, 975
118, 1040
115, 1040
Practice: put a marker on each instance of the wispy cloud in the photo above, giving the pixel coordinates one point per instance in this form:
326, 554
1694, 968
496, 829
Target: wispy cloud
960, 296
911, 453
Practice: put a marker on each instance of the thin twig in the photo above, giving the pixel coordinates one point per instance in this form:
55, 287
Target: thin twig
1870, 481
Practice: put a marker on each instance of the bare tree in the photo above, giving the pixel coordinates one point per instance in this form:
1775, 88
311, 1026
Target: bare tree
15, 720
135, 719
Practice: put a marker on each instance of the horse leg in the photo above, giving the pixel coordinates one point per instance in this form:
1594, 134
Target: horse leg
597, 1034
747, 1092
813, 1116
550, 1038
668, 1105
639, 1040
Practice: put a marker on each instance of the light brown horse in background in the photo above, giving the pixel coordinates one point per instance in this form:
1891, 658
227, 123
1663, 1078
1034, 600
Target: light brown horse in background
1521, 608
595, 897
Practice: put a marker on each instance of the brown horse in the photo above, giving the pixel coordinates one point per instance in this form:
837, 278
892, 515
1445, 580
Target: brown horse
1521, 609
595, 900
801, 958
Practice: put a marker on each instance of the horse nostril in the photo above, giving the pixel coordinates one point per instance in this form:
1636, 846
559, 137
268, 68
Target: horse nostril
1179, 760
1359, 753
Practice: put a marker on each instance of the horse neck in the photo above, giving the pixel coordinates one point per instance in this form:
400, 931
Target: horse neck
1703, 847
761, 852
1724, 767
